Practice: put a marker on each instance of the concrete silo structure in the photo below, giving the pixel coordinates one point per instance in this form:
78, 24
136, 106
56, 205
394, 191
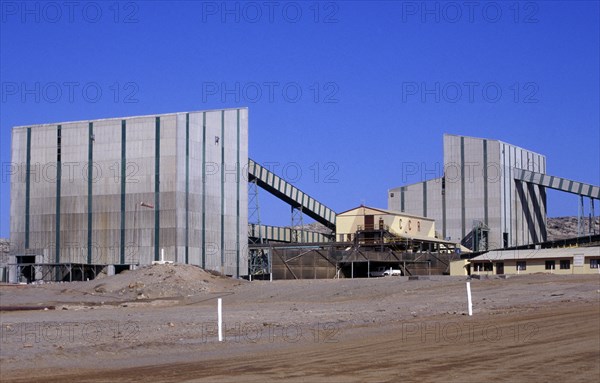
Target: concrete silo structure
117, 191
479, 200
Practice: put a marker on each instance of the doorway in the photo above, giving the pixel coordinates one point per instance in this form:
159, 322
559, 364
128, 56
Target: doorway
26, 268
499, 267
369, 222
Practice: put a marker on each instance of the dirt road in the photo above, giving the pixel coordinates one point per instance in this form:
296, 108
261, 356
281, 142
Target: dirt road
533, 329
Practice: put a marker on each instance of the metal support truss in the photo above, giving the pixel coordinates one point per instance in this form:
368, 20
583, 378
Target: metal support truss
592, 218
297, 225
258, 258
580, 218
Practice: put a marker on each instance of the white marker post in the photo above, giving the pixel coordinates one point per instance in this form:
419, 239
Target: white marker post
271, 266
162, 259
469, 302
220, 318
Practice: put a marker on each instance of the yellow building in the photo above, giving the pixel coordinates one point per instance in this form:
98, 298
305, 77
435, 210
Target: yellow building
571, 260
367, 218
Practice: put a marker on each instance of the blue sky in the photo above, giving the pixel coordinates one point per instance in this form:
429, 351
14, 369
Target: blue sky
347, 92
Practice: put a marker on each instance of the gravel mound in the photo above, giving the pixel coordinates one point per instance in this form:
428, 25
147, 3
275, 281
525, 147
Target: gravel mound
161, 281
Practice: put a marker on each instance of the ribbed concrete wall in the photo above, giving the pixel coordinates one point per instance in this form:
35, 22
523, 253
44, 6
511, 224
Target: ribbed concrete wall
190, 166
479, 185
523, 206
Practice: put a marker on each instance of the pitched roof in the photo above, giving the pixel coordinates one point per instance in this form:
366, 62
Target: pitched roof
568, 252
386, 211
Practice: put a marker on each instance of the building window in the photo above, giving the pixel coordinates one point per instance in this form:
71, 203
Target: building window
565, 264
550, 265
488, 266
594, 263
478, 267
341, 237
349, 237
521, 265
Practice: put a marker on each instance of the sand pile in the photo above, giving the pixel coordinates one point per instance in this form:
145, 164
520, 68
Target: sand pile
161, 281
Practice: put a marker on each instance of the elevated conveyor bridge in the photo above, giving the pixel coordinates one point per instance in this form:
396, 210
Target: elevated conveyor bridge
284, 234
565, 185
558, 183
290, 194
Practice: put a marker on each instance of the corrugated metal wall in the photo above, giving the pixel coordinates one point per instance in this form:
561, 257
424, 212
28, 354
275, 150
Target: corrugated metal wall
188, 166
479, 185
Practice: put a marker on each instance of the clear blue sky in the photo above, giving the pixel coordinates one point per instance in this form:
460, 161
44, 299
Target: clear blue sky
350, 88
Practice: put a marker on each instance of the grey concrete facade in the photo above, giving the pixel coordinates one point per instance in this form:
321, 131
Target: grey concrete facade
478, 185
77, 190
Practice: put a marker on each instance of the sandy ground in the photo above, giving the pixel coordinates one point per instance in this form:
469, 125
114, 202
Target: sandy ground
159, 324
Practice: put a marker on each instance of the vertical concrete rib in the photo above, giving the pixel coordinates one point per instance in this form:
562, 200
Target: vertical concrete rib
504, 181
187, 188
90, 202
123, 187
525, 210
237, 213
424, 199
204, 190
485, 184
58, 191
462, 187
222, 248
157, 190
444, 207
402, 189
510, 191
27, 187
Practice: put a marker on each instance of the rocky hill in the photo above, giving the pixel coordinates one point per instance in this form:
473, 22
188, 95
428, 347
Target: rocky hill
566, 227
316, 227
4, 245
4, 249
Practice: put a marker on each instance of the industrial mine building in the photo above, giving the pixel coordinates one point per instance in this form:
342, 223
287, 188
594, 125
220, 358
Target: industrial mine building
477, 201
491, 195
171, 181
113, 194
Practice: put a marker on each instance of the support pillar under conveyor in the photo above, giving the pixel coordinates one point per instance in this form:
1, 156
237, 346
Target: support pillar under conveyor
591, 228
580, 189
580, 218
297, 225
592, 218
259, 260
260, 264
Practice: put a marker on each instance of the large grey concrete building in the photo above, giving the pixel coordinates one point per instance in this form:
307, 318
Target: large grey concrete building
117, 191
478, 201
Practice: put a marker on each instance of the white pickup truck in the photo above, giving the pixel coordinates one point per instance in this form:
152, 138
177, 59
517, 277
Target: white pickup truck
385, 271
